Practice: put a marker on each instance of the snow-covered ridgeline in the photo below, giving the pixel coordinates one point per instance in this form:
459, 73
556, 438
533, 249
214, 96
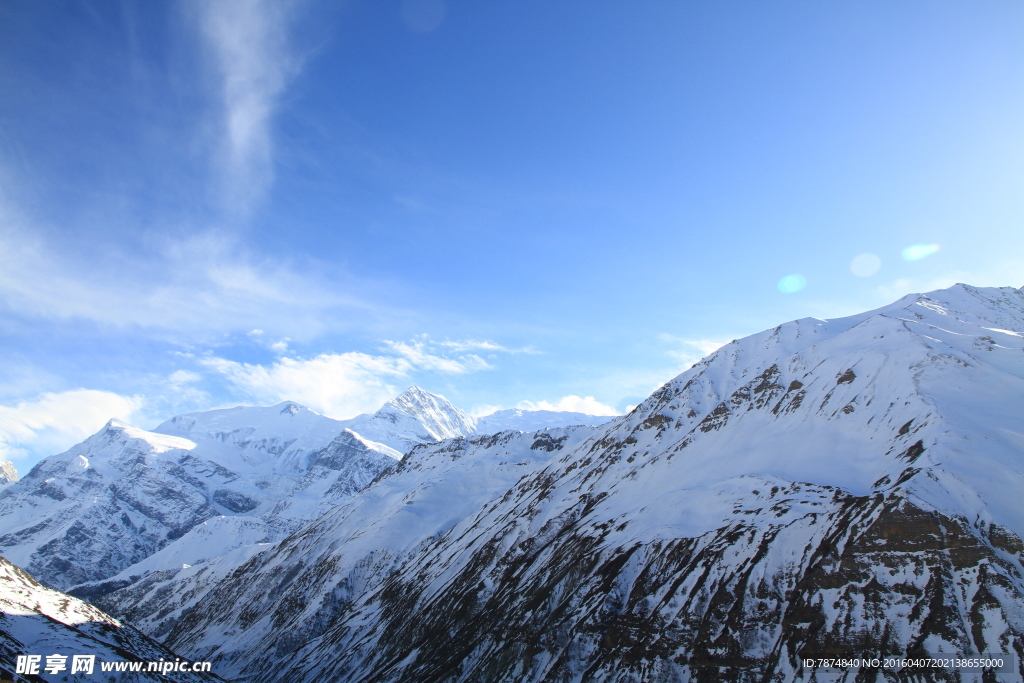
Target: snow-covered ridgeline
682, 534
843, 484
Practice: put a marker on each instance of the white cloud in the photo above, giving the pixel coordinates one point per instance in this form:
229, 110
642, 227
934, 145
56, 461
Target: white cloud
342, 385
253, 60
573, 404
53, 422
419, 354
180, 378
178, 391
483, 409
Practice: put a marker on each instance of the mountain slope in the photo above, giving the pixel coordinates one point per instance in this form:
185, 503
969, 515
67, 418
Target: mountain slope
35, 620
283, 602
847, 486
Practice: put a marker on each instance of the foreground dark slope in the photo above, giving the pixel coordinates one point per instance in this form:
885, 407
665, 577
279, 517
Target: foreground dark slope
848, 487
38, 620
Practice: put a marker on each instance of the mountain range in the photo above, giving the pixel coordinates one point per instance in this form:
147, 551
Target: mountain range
844, 488
127, 501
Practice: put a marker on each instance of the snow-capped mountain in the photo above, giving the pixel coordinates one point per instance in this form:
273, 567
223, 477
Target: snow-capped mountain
534, 420
124, 493
414, 417
35, 620
7, 472
127, 501
843, 487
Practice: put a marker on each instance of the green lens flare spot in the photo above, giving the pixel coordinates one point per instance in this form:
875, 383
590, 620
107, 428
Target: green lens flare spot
792, 284
916, 252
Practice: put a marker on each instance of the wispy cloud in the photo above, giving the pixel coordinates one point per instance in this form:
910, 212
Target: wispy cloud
421, 353
253, 61
52, 422
206, 284
484, 345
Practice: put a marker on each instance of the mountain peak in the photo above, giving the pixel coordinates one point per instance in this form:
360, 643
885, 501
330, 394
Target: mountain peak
7, 472
417, 395
289, 408
437, 417
415, 400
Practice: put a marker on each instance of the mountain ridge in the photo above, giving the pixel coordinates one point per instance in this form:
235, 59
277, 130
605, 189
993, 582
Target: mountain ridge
124, 502
843, 486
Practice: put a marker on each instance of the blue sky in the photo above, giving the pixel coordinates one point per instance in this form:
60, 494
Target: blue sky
526, 203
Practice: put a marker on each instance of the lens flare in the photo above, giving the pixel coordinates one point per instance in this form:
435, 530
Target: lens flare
865, 265
916, 252
792, 283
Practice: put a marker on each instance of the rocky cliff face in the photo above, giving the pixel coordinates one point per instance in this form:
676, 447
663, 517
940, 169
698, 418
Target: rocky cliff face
814, 572
826, 487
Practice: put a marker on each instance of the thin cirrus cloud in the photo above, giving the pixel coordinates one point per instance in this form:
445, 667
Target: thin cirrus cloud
342, 385
199, 286
484, 346
252, 60
52, 421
